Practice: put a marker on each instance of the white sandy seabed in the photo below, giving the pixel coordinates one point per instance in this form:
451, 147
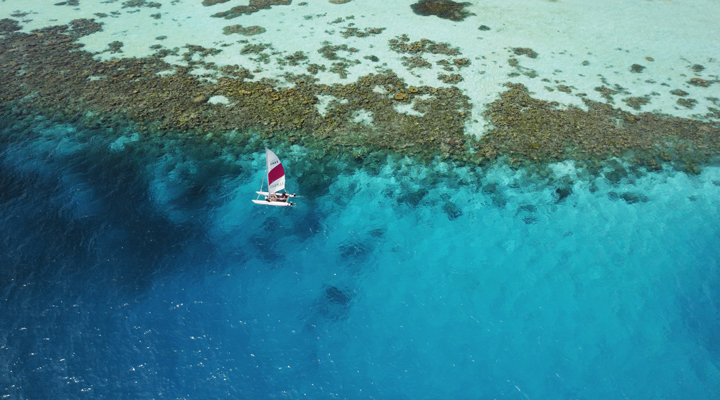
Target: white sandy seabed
580, 44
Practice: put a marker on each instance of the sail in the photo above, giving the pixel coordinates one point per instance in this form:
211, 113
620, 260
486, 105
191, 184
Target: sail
275, 171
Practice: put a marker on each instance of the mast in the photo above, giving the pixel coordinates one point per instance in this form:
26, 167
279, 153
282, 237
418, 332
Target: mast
263, 180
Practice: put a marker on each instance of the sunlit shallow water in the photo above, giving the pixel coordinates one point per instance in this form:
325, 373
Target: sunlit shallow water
128, 275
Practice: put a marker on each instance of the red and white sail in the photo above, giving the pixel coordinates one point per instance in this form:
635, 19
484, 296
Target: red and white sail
275, 171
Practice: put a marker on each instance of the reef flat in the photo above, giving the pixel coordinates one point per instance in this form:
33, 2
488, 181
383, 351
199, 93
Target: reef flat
454, 80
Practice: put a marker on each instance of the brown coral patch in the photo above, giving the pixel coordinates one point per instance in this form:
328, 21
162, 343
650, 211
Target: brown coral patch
400, 96
245, 31
208, 3
253, 7
699, 82
445, 9
47, 73
8, 25
140, 3
537, 130
525, 51
402, 44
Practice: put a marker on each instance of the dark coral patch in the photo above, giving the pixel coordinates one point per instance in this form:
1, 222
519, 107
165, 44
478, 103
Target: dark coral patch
637, 68
245, 31
8, 25
83, 27
699, 82
46, 72
531, 129
445, 9
140, 3
208, 3
525, 51
253, 7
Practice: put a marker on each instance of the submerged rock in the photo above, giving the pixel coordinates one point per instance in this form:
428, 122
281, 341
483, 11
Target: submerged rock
528, 213
334, 295
452, 210
562, 193
628, 197
412, 198
616, 172
334, 303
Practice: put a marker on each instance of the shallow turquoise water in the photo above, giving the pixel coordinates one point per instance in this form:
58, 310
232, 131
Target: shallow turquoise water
132, 275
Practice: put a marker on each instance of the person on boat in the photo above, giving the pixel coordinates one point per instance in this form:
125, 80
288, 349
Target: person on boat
277, 197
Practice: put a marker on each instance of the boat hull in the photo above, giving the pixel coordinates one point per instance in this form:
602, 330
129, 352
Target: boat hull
267, 194
273, 203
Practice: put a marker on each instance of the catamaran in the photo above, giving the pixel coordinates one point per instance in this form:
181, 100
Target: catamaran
276, 182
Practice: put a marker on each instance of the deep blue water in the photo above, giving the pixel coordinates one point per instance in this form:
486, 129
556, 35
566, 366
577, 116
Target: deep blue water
140, 269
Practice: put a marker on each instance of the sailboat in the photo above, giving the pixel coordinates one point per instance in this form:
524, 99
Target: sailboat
276, 182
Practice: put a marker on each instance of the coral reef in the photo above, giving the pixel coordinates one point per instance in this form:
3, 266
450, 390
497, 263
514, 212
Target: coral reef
352, 31
699, 82
445, 9
208, 3
115, 47
315, 68
8, 25
529, 129
687, 103
46, 72
245, 31
401, 44
450, 79
83, 27
636, 68
636, 102
140, 3
525, 51
253, 7
132, 90
415, 62
329, 51
293, 59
